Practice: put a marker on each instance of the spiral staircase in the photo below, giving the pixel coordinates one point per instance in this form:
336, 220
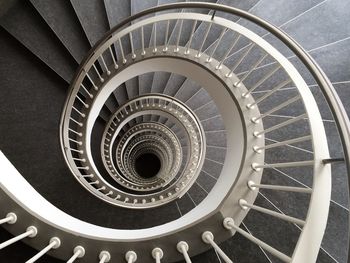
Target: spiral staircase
168, 131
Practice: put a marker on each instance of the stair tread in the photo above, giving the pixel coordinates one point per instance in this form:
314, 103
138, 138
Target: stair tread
93, 18
159, 82
117, 12
187, 90
185, 35
60, 16
28, 28
336, 232
206, 110
235, 248
256, 222
198, 99
136, 7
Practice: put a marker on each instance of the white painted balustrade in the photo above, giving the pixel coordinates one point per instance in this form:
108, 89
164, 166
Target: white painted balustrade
54, 243
183, 247
79, 252
10, 218
245, 205
208, 238
104, 257
230, 225
157, 254
30, 232
131, 256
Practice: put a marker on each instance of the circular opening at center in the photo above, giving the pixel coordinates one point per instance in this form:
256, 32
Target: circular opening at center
147, 165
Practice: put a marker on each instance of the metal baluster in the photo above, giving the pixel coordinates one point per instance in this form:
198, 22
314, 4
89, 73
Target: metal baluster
75, 141
75, 150
228, 52
229, 224
121, 50
95, 182
113, 58
54, 243
75, 132
178, 36
130, 256
223, 31
87, 92
92, 82
79, 112
10, 218
280, 125
80, 160
262, 80
245, 205
81, 100
165, 49
239, 61
104, 257
208, 238
78, 252
157, 254
204, 39
268, 94
183, 247
253, 186
133, 55
251, 70
98, 73
78, 123
154, 38
105, 65
143, 42
278, 144
282, 105
101, 188
30, 232
191, 37
257, 166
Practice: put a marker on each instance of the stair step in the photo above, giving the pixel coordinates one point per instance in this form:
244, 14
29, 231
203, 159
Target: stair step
61, 18
187, 90
27, 27
270, 232
213, 124
121, 94
206, 181
185, 204
174, 84
217, 139
132, 88
197, 194
212, 168
198, 99
236, 246
185, 35
116, 13
216, 154
207, 110
335, 236
136, 7
145, 83
112, 104
159, 82
93, 18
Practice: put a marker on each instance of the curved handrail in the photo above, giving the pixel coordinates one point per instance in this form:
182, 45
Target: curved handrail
339, 114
